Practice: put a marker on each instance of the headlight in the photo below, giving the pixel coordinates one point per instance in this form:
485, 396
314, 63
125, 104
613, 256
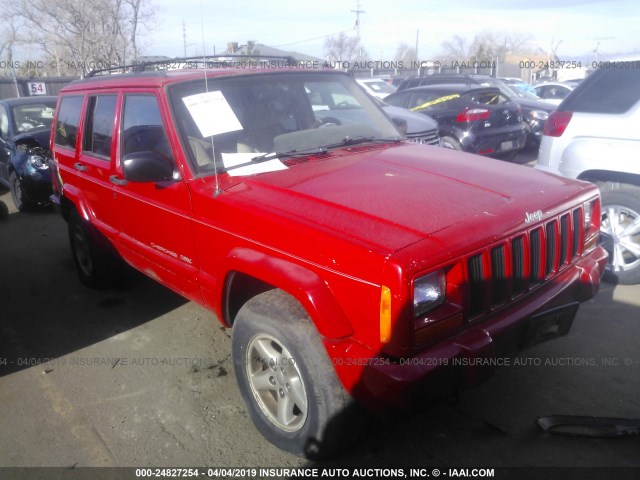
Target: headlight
592, 212
539, 114
428, 292
38, 162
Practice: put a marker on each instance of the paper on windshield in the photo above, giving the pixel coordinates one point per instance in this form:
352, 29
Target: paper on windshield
212, 113
232, 159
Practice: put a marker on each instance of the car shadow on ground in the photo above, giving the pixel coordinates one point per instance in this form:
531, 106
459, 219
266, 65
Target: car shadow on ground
42, 315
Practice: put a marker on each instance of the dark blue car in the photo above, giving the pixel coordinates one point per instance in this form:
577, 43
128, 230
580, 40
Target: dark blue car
25, 129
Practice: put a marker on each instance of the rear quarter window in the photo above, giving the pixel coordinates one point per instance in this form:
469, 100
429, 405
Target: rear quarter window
609, 90
67, 121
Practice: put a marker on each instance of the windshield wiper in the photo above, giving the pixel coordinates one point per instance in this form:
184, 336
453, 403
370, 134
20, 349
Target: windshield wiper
277, 155
290, 153
348, 141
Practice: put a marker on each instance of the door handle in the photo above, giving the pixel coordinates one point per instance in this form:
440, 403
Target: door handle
116, 180
80, 167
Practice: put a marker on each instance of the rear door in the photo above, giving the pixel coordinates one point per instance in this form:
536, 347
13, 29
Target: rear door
83, 157
96, 162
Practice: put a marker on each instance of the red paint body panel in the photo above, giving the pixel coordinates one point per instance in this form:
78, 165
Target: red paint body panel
333, 230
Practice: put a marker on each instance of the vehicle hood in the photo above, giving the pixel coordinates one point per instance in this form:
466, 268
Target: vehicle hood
392, 197
416, 122
41, 136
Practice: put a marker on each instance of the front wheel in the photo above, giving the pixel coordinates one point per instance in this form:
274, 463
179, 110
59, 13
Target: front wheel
18, 196
451, 143
286, 378
620, 235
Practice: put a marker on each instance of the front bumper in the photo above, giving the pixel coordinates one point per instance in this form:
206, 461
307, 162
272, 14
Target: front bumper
36, 185
471, 356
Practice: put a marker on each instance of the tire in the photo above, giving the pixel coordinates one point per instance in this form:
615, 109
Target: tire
279, 360
451, 143
620, 238
95, 267
20, 199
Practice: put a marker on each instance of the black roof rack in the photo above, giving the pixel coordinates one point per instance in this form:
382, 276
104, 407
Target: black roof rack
208, 61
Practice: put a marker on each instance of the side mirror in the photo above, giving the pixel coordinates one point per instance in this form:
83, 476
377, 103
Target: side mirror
147, 166
401, 125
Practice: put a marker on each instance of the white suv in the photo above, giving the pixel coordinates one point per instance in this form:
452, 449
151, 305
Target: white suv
595, 135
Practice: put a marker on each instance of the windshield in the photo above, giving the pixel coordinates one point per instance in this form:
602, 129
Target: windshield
509, 90
32, 116
236, 120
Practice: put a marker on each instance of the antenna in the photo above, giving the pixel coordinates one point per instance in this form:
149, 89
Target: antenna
206, 89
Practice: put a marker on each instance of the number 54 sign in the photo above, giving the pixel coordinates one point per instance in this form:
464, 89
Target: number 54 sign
37, 88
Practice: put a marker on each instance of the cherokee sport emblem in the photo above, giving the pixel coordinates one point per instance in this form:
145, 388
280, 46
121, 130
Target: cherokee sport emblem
533, 216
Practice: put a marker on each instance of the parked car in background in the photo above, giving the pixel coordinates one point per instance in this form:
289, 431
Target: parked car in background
594, 136
574, 82
472, 118
419, 128
25, 129
396, 81
534, 111
332, 110
519, 84
376, 87
553, 92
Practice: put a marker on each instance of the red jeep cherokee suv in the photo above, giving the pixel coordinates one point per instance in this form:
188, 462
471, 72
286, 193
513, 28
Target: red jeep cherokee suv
348, 262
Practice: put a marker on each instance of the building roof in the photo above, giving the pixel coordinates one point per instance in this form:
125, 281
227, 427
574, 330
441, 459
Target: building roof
261, 49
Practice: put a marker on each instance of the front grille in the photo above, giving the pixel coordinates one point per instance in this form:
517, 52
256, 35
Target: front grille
430, 137
504, 271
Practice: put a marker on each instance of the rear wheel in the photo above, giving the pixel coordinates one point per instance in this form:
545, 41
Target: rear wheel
620, 235
286, 377
95, 267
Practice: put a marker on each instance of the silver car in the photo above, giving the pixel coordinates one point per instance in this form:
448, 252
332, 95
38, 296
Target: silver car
594, 136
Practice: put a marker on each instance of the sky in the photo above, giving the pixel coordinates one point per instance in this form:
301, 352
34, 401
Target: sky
576, 27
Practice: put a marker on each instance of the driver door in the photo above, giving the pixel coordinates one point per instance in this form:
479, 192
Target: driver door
155, 217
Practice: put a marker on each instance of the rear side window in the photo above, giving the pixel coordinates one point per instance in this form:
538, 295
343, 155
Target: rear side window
397, 99
432, 100
68, 121
609, 90
99, 128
